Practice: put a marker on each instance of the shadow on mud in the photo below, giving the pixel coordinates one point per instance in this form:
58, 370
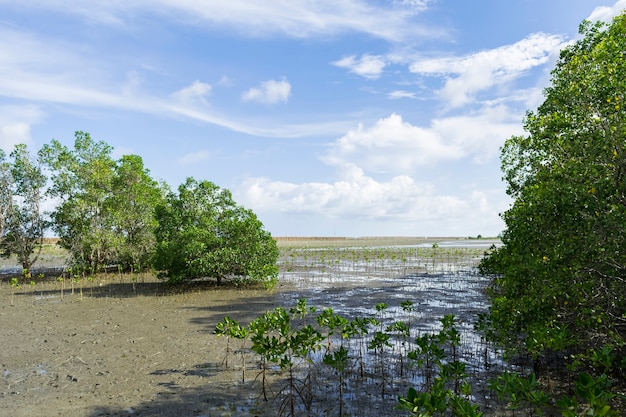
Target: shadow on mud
111, 286
177, 401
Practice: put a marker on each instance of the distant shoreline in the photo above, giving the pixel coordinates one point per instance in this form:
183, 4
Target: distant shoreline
319, 241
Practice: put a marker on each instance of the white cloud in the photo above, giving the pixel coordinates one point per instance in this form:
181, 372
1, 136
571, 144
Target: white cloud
465, 76
399, 204
368, 66
193, 157
355, 194
40, 69
479, 135
269, 92
391, 145
396, 146
402, 204
197, 92
606, 13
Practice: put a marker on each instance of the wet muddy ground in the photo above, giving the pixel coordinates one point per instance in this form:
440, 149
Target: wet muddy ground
114, 345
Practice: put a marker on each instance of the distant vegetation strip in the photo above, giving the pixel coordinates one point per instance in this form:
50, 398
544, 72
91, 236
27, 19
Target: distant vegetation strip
320, 241
360, 238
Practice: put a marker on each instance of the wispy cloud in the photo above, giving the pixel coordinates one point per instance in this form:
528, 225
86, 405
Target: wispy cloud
15, 122
414, 5
225, 81
53, 71
12, 134
368, 66
467, 75
398, 94
269, 92
193, 157
295, 19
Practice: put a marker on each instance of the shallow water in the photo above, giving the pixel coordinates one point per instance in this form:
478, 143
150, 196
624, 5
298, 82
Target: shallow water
352, 281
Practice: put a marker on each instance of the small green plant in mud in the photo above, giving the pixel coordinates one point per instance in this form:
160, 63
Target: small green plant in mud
262, 346
402, 332
32, 284
358, 328
61, 281
447, 387
332, 322
15, 284
231, 329
289, 340
518, 390
379, 342
592, 398
276, 341
338, 360
78, 279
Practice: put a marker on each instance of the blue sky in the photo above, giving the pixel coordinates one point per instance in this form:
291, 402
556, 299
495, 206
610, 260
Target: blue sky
326, 118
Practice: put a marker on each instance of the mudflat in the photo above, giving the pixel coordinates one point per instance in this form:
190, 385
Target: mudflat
116, 345
119, 352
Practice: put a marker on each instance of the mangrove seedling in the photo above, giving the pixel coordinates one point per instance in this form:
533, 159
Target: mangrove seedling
231, 329
15, 284
338, 360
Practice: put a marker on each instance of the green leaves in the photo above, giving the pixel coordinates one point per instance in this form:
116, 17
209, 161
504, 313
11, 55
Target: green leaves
202, 232
231, 328
518, 390
82, 182
446, 378
22, 194
106, 210
132, 205
560, 274
274, 338
592, 395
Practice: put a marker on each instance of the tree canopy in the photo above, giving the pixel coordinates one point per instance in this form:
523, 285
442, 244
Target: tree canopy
560, 277
81, 180
22, 193
133, 202
105, 215
112, 213
202, 232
